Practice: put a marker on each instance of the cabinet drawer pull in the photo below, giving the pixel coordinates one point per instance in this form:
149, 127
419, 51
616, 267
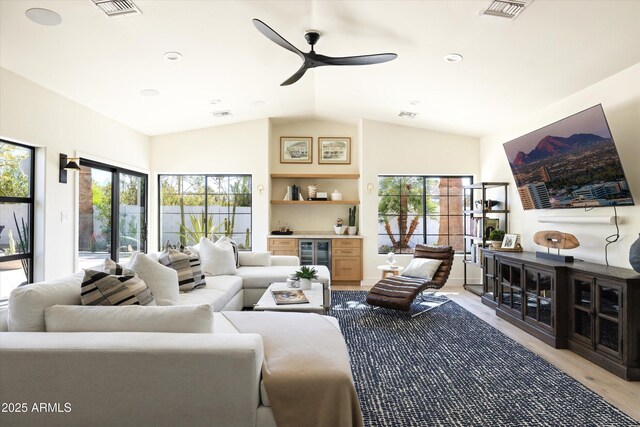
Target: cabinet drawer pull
346, 252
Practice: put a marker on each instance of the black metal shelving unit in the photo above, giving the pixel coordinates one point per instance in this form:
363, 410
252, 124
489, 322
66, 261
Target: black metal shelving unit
476, 224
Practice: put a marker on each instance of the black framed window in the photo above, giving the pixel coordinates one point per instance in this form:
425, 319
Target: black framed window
112, 213
420, 209
17, 178
194, 206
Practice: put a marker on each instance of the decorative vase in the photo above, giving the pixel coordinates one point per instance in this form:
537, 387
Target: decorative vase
634, 255
391, 258
305, 284
313, 190
496, 244
339, 229
352, 230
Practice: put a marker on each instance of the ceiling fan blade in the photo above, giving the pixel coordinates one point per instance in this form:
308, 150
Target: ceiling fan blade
298, 74
358, 60
269, 33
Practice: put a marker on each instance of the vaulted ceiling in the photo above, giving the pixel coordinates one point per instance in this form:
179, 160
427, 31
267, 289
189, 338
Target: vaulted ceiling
510, 67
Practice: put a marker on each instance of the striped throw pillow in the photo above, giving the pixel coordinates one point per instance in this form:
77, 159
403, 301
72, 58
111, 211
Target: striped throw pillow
178, 261
100, 288
112, 267
196, 268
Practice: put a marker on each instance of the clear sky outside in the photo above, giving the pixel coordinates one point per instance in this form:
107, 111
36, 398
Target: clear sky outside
591, 120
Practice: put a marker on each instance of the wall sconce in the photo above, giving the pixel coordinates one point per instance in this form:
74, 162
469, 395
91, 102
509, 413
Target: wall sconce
260, 188
67, 163
369, 187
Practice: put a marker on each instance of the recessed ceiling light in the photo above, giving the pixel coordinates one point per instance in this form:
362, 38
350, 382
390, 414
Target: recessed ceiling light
149, 92
215, 101
453, 57
43, 16
173, 56
414, 102
258, 103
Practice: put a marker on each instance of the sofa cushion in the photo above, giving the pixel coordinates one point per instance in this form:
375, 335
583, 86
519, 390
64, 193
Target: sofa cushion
217, 258
99, 288
214, 298
254, 259
230, 285
196, 268
178, 319
28, 303
161, 280
180, 262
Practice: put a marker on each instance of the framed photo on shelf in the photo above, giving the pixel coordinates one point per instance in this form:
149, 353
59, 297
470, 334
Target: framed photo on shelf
490, 224
334, 151
509, 241
296, 149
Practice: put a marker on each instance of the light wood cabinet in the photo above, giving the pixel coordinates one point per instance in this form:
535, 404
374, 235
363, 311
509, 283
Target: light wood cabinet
346, 261
283, 246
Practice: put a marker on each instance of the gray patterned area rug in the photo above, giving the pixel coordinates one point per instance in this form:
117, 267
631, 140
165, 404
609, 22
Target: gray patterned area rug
448, 368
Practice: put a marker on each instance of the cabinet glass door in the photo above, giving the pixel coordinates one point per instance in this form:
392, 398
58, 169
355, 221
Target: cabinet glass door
582, 296
510, 284
608, 319
323, 252
539, 294
306, 252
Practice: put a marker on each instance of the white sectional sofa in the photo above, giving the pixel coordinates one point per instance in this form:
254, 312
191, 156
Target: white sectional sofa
138, 378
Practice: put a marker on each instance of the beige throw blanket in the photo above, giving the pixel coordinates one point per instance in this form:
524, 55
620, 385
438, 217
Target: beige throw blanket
306, 369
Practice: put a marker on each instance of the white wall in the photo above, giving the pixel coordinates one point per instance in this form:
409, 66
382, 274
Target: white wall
620, 99
233, 149
399, 150
33, 115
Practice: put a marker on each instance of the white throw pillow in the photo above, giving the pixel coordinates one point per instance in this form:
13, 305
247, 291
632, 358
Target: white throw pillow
28, 303
178, 319
161, 280
255, 259
422, 267
217, 258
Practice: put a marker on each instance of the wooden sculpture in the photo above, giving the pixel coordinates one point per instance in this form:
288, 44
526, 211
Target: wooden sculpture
556, 240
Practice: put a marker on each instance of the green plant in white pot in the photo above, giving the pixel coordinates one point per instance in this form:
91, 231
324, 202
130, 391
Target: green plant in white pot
305, 275
495, 238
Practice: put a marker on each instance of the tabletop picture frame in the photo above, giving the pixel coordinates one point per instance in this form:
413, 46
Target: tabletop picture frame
510, 241
296, 149
334, 151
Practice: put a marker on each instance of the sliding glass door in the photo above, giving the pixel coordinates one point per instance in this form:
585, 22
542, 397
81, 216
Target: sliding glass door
16, 216
113, 213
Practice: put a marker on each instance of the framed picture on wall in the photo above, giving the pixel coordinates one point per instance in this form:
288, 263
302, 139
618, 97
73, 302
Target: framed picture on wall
296, 149
490, 224
334, 151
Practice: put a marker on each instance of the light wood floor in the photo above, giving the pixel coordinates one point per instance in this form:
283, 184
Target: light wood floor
622, 394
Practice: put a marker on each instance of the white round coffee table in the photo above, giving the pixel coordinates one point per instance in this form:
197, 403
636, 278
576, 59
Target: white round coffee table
390, 270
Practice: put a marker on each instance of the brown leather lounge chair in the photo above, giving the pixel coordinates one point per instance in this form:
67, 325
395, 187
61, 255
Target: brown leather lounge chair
398, 292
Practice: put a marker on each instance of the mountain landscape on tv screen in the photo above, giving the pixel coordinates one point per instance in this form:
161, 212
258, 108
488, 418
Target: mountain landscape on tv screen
580, 170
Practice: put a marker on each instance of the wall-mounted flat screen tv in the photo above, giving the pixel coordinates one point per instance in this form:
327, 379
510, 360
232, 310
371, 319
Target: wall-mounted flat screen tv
572, 163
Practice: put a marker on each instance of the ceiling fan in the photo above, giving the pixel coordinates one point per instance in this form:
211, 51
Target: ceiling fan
312, 59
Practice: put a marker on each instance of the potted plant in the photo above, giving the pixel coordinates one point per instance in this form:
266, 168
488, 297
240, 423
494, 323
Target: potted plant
305, 275
495, 238
353, 230
338, 228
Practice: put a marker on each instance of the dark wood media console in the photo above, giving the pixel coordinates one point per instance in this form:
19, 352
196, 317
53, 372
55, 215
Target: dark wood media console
589, 308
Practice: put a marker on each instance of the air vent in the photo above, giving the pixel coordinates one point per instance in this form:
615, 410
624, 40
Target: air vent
506, 8
407, 114
223, 113
117, 7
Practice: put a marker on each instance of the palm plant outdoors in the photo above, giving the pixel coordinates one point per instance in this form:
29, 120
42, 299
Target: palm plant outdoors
403, 199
